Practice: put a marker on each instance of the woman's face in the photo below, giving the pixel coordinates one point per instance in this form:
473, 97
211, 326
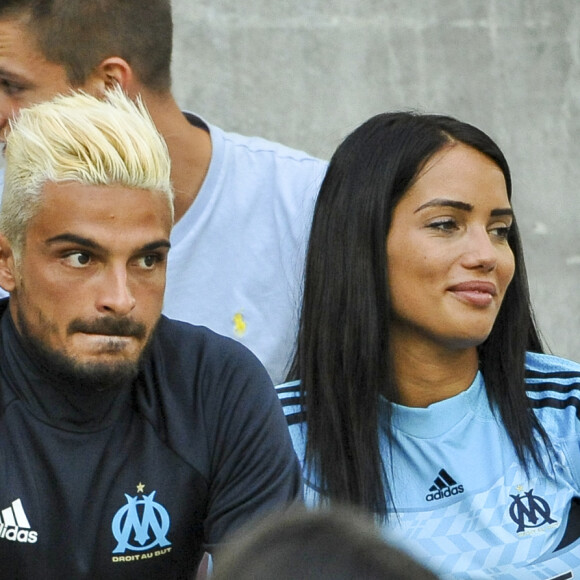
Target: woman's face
449, 262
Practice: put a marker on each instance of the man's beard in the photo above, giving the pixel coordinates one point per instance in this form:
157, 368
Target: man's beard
85, 376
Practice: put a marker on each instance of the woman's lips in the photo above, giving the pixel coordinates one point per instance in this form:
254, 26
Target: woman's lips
478, 293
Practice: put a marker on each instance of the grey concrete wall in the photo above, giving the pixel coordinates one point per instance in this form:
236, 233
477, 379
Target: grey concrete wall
306, 73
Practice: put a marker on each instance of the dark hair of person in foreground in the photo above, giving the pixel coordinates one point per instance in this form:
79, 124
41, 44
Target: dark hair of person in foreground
337, 544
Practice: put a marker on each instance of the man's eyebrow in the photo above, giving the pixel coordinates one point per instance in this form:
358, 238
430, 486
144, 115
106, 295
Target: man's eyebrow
73, 238
156, 245
91, 244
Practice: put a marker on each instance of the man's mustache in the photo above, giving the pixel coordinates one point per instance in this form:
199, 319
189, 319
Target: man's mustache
109, 326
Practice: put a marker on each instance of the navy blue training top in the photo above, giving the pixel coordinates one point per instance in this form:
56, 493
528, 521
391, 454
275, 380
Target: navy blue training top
136, 482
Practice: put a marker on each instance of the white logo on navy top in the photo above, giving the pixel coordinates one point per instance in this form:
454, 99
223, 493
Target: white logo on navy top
444, 486
140, 525
14, 525
530, 511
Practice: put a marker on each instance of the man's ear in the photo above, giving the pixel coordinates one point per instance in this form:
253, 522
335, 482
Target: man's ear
113, 71
7, 265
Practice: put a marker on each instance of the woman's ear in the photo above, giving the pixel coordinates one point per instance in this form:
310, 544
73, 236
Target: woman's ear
113, 71
7, 265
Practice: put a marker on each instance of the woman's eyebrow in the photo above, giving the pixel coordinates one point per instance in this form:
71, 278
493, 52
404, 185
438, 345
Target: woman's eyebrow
441, 202
503, 211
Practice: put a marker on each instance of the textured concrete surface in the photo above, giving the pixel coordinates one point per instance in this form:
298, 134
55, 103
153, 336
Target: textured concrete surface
307, 73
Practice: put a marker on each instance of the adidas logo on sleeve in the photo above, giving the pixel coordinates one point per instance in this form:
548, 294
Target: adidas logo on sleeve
14, 524
444, 486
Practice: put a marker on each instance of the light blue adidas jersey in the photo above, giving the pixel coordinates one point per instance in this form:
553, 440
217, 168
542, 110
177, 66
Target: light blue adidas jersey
465, 507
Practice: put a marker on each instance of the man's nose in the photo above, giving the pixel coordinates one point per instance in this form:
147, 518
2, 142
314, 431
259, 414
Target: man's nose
114, 294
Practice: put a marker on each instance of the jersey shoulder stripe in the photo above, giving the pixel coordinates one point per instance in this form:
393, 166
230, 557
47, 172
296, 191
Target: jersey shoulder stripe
288, 393
286, 388
289, 396
553, 383
535, 374
554, 403
294, 418
549, 366
550, 373
559, 387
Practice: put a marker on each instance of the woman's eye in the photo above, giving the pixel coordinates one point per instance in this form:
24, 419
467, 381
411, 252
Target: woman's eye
445, 225
78, 259
502, 232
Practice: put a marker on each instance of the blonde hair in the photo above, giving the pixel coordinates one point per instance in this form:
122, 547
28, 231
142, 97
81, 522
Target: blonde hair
77, 137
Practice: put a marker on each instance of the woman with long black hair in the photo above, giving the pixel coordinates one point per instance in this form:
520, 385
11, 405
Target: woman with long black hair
420, 392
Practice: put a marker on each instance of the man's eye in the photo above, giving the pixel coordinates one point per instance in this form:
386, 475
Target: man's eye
78, 259
149, 261
9, 88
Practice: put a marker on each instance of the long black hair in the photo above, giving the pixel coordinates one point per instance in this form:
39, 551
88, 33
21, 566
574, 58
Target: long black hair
343, 348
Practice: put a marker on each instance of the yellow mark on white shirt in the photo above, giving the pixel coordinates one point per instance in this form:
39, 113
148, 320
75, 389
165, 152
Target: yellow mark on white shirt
239, 324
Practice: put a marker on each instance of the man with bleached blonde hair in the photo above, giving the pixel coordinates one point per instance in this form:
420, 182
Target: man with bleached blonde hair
129, 443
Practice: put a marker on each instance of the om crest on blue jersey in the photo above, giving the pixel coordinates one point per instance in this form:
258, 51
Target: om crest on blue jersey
141, 524
530, 511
